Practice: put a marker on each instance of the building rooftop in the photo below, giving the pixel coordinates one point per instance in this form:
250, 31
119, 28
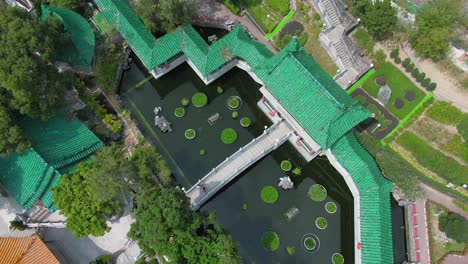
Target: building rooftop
25, 250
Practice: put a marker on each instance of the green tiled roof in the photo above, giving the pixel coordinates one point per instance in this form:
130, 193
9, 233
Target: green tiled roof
374, 191
80, 50
59, 145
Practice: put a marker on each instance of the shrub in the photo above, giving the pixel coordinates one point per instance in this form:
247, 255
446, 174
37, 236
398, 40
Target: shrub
220, 90
231, 6
17, 225
290, 250
410, 67
228, 136
395, 53
303, 39
245, 122
406, 62
454, 226
420, 77
317, 16
364, 40
202, 152
317, 193
199, 99
233, 102
244, 206
425, 83
185, 102
112, 123
379, 58
281, 6
330, 207
190, 133
269, 194
415, 72
445, 112
431, 87
397, 60
235, 114
97, 108
270, 241
179, 112
321, 223
297, 171
337, 258
286, 165
310, 243
463, 127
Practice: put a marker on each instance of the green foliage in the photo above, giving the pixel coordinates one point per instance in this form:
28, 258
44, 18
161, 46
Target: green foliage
228, 136
434, 28
185, 102
317, 193
395, 53
400, 84
461, 204
379, 58
290, 250
179, 112
17, 225
269, 194
337, 258
462, 127
432, 159
303, 39
379, 17
164, 15
69, 4
406, 62
202, 152
190, 133
270, 241
310, 243
12, 138
297, 171
409, 67
415, 72
150, 167
397, 60
454, 226
235, 114
75, 200
393, 166
431, 87
232, 5
219, 90
199, 100
446, 113
321, 223
425, 83
281, 43
330, 207
244, 206
364, 40
245, 122
166, 226
112, 123
96, 106
420, 77
104, 259
286, 165
281, 6
317, 16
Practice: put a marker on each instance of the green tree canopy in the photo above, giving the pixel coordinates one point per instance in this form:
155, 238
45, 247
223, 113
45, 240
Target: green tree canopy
159, 16
455, 226
150, 167
165, 225
379, 17
29, 84
74, 197
434, 28
70, 4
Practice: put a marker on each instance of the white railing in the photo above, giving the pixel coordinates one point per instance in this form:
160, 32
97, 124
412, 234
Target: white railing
196, 204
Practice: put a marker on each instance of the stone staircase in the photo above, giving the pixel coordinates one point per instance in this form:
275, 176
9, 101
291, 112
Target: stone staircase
343, 54
331, 12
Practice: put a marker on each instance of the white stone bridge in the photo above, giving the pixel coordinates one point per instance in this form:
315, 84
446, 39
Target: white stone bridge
234, 165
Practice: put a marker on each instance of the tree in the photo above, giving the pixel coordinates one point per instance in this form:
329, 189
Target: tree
434, 28
379, 17
74, 198
379, 58
164, 15
111, 177
147, 11
29, 84
454, 226
150, 168
165, 225
70, 4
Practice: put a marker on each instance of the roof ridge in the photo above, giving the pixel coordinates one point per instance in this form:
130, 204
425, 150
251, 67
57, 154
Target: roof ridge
31, 242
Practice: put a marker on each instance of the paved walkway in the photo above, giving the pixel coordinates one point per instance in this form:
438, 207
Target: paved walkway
209, 185
442, 199
455, 259
420, 230
213, 8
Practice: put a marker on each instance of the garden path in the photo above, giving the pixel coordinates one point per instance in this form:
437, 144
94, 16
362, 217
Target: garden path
455, 259
209, 185
442, 199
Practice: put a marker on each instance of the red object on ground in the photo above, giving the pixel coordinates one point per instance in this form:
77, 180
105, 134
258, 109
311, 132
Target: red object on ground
263, 99
274, 112
418, 257
312, 152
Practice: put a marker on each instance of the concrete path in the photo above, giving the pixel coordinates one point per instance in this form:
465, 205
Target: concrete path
442, 199
246, 156
213, 8
421, 233
455, 259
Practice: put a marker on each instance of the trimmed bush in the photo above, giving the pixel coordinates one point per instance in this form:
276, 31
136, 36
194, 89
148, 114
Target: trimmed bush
397, 60
179, 112
235, 114
337, 258
379, 58
228, 136
317, 192
219, 90
286, 165
455, 226
321, 223
395, 53
406, 62
410, 67
310, 243
270, 241
432, 159
190, 133
317, 16
199, 100
202, 152
425, 83
245, 122
330, 207
415, 72
420, 77
281, 6
431, 87
290, 250
269, 194
185, 102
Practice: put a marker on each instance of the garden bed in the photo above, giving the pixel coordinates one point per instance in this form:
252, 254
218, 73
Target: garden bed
400, 85
260, 10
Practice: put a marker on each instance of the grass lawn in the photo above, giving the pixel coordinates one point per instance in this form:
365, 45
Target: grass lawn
432, 159
259, 10
400, 84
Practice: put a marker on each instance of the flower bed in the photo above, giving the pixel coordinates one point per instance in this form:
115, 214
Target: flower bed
228, 136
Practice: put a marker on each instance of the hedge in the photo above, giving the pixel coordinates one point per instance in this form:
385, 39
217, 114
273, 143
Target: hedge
432, 159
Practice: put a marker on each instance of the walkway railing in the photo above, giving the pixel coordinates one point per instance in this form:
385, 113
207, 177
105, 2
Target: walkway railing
226, 171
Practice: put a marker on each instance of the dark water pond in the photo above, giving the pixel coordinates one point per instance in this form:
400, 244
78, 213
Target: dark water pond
291, 28
245, 224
